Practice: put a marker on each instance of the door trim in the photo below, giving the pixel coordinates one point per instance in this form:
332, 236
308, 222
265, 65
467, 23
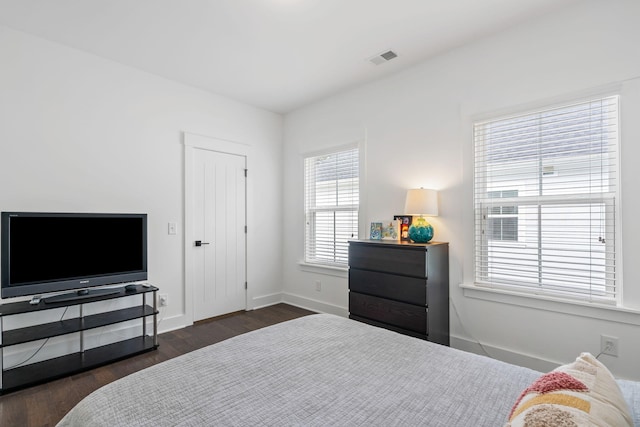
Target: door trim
191, 143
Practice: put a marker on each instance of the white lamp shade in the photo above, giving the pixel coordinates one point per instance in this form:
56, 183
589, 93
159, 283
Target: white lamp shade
421, 201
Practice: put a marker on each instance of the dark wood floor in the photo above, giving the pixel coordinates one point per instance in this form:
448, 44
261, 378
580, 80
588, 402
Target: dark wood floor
46, 404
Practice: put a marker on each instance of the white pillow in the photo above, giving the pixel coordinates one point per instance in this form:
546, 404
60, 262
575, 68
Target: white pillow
582, 393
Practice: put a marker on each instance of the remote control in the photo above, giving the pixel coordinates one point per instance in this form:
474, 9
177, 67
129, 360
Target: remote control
35, 300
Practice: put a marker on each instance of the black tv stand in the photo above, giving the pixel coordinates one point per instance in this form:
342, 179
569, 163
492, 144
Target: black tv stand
81, 294
141, 307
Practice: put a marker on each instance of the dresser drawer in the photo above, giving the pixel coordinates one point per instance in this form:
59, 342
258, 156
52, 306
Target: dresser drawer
412, 290
394, 259
407, 316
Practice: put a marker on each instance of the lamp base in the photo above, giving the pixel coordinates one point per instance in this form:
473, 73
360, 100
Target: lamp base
420, 231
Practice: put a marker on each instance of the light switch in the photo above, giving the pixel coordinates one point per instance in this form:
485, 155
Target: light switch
172, 228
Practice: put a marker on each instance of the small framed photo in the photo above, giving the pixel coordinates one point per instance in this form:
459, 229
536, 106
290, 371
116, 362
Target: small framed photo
405, 223
391, 230
376, 231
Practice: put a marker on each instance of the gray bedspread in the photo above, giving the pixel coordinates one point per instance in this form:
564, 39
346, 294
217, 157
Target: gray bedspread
318, 370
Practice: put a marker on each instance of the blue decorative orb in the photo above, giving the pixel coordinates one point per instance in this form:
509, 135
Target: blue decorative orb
421, 231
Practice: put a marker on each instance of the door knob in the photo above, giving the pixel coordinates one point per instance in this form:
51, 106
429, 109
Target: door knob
200, 243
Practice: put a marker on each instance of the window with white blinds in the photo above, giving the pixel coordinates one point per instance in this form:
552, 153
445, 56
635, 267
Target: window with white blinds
331, 193
545, 187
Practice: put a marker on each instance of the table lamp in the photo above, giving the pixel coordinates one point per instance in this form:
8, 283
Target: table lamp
420, 202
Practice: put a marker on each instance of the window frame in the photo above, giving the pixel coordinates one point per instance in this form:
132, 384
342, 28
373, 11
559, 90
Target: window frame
311, 211
485, 212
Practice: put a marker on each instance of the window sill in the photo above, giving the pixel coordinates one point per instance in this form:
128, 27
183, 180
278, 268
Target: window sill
558, 305
329, 270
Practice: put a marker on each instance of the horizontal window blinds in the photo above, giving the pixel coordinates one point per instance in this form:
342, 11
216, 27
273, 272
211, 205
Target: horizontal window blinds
331, 206
545, 186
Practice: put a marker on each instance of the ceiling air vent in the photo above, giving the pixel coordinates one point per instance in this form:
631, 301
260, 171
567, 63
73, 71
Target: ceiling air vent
383, 57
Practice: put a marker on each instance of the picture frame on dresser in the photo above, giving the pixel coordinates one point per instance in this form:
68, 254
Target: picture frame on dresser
375, 231
391, 230
405, 222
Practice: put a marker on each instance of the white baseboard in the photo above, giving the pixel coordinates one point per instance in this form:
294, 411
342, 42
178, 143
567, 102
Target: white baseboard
504, 355
265, 301
299, 301
167, 324
314, 305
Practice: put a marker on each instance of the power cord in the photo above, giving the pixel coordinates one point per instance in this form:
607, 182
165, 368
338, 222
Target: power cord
455, 310
99, 339
605, 349
39, 348
161, 318
484, 350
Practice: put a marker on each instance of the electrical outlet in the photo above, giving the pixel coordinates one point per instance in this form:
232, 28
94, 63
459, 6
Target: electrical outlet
318, 286
163, 300
609, 345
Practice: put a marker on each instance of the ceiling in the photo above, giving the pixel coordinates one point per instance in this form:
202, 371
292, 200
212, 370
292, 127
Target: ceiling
274, 54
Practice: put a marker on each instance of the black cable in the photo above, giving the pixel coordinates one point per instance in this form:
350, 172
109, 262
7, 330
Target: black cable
39, 348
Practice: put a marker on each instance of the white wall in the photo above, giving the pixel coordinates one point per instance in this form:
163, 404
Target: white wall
81, 133
417, 128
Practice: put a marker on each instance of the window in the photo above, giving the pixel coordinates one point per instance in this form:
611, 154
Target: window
502, 221
331, 206
545, 187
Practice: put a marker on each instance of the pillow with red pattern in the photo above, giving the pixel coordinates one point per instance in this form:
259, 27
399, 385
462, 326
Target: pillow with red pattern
582, 393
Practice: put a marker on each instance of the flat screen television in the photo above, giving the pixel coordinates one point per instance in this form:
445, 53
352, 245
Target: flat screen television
50, 252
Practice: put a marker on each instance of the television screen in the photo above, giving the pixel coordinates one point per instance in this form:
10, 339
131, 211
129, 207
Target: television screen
48, 252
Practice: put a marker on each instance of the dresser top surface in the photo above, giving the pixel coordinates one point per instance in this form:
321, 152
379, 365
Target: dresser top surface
398, 243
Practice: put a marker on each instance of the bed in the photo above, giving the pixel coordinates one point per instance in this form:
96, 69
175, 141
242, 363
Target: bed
318, 370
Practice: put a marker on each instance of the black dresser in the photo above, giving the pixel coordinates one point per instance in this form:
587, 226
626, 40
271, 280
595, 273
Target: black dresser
401, 286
